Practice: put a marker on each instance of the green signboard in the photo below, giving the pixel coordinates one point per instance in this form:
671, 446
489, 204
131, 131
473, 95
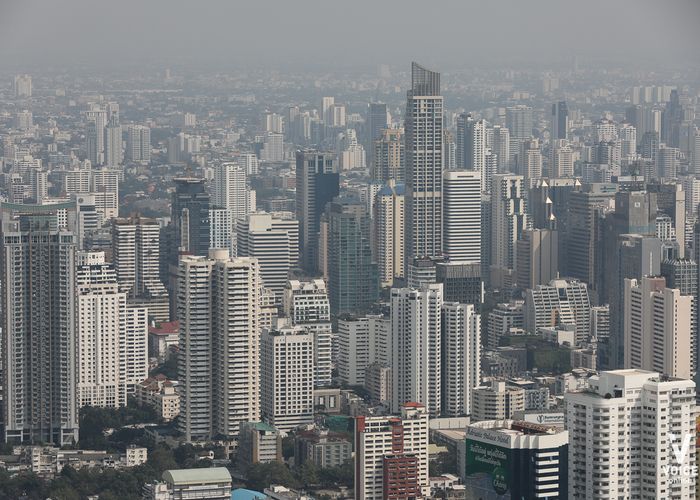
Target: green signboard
488, 466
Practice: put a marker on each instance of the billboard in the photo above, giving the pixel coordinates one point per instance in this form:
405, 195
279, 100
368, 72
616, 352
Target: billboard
487, 469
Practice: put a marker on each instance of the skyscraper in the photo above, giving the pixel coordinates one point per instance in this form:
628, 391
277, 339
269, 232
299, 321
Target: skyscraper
508, 218
462, 215
352, 275
377, 121
230, 189
461, 345
424, 114
190, 216
389, 162
519, 120
219, 362
113, 142
560, 302
138, 143
560, 121
317, 183
389, 213
471, 143
417, 346
39, 331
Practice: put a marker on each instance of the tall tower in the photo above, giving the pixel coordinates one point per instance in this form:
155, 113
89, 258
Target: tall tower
138, 143
317, 183
509, 218
190, 216
389, 213
39, 331
462, 209
389, 162
560, 121
230, 189
424, 114
113, 142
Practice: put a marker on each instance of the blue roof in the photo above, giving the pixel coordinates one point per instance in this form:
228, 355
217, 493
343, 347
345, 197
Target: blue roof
243, 494
399, 189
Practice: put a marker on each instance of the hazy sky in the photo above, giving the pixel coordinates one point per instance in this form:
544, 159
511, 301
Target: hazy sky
344, 33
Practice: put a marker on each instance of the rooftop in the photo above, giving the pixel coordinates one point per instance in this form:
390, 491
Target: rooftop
197, 476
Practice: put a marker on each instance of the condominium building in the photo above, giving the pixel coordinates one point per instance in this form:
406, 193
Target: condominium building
416, 339
496, 401
509, 219
560, 302
306, 304
461, 363
361, 342
630, 434
504, 319
230, 190
138, 143
391, 455
658, 325
389, 159
287, 371
389, 213
218, 364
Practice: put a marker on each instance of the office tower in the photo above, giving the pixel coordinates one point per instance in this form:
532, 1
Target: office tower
530, 160
136, 259
271, 146
351, 154
584, 232
667, 162
449, 153
600, 323
561, 302
538, 258
391, 455
190, 217
617, 421
504, 319
274, 241
377, 121
248, 162
219, 361
326, 104
671, 201
519, 120
39, 331
96, 122
462, 215
682, 274
113, 142
500, 146
560, 121
389, 212
317, 183
471, 143
287, 361
23, 86
86, 220
389, 159
691, 188
306, 304
658, 328
416, 346
461, 363
138, 143
628, 140
696, 153
515, 458
424, 110
496, 401
461, 282
548, 203
361, 342
353, 281
508, 219
562, 161
104, 184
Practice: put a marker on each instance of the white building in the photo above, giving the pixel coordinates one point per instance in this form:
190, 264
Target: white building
389, 232
361, 342
496, 401
138, 143
625, 431
658, 328
461, 337
383, 439
105, 186
509, 218
219, 370
416, 346
306, 304
287, 367
230, 190
461, 197
560, 302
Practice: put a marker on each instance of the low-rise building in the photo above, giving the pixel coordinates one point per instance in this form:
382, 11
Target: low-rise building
161, 338
196, 484
258, 442
323, 448
159, 393
497, 401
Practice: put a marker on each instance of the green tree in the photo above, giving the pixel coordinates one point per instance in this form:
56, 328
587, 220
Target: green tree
261, 476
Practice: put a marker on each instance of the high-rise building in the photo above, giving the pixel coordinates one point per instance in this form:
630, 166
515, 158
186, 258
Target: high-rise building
219, 362
274, 241
508, 218
417, 346
461, 363
461, 282
500, 146
516, 459
113, 142
496, 401
389, 158
104, 184
519, 120
190, 217
471, 145
287, 375
306, 304
561, 302
504, 319
362, 342
96, 122
112, 336
391, 455
424, 164
230, 191
317, 183
538, 257
658, 328
136, 259
138, 143
636, 423
221, 230
39, 331
462, 215
560, 121
389, 212
667, 162
23, 86
377, 121
562, 161
353, 281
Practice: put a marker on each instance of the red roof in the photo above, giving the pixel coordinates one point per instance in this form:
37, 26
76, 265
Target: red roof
411, 404
167, 328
